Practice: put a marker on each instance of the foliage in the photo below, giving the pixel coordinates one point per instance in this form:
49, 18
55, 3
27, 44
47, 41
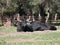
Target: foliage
8, 8
28, 5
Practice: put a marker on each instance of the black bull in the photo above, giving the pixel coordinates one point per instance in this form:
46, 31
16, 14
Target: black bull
34, 26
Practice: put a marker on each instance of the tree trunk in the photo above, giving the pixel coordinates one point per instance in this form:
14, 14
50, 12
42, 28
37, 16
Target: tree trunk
39, 18
7, 2
2, 19
33, 18
18, 18
12, 20
2, 15
55, 19
43, 19
47, 18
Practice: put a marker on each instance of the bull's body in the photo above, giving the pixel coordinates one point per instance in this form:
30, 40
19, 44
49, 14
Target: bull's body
34, 26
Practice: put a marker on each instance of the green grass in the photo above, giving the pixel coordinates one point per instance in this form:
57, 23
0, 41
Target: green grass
7, 30
47, 39
50, 38
31, 43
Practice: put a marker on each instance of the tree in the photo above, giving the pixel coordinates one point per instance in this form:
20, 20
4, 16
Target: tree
31, 7
52, 8
3, 5
8, 7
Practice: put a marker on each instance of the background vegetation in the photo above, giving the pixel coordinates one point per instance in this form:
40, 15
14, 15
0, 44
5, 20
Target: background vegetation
10, 8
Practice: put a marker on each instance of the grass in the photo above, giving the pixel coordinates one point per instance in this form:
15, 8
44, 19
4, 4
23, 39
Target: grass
50, 38
32, 43
36, 37
39, 39
7, 30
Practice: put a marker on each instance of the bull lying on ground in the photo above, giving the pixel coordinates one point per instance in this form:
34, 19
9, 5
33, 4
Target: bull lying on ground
34, 26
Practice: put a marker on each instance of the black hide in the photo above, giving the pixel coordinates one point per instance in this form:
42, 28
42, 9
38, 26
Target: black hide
40, 27
34, 26
23, 26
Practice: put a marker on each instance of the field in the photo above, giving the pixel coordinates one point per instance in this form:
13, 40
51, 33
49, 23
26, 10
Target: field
9, 36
